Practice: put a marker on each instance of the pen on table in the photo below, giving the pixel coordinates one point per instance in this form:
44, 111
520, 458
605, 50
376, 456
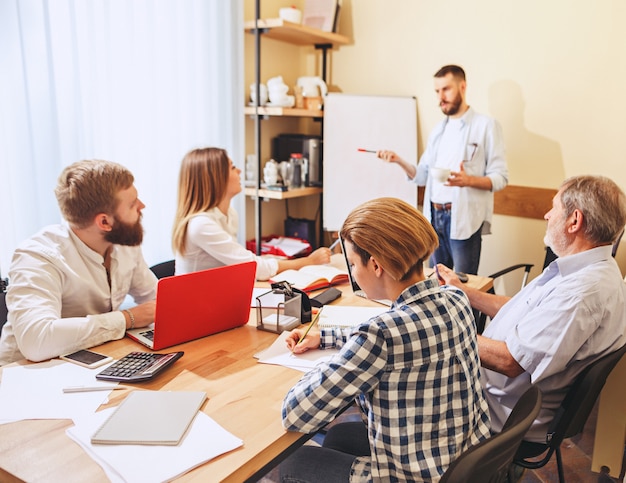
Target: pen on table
110, 387
361, 150
317, 316
333, 245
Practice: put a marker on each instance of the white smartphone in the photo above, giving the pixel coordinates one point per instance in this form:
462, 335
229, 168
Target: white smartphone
87, 358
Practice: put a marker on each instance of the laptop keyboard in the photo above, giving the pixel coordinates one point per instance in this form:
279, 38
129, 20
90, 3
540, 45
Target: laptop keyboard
138, 366
148, 334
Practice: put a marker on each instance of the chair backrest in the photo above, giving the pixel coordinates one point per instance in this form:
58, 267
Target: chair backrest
3, 309
163, 269
572, 415
4, 312
489, 460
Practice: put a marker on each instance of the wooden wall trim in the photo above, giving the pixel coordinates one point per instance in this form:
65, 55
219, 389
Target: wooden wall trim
523, 201
520, 201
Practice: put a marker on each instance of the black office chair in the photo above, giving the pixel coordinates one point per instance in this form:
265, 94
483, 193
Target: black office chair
571, 416
3, 302
163, 269
489, 460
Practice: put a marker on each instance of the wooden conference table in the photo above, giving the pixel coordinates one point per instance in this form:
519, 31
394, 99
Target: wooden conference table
244, 397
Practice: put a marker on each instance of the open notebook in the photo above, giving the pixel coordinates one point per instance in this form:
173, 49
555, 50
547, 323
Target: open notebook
198, 304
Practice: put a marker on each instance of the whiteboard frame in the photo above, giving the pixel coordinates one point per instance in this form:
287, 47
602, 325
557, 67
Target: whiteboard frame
351, 177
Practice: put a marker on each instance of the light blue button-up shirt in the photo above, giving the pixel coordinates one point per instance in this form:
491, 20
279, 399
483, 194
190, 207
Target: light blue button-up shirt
483, 142
566, 318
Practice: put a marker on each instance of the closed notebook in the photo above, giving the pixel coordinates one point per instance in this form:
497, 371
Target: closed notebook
151, 417
347, 315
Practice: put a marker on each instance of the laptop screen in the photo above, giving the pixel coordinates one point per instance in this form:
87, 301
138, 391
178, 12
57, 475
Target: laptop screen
355, 286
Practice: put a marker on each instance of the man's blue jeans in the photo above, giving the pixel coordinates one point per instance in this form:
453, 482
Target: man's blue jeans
460, 255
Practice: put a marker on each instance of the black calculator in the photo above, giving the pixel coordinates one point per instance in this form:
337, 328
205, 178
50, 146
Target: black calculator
138, 366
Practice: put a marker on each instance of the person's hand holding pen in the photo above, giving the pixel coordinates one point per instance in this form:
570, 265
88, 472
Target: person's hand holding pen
301, 340
387, 156
320, 256
447, 276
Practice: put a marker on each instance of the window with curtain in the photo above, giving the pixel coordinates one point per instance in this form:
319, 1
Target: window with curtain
138, 82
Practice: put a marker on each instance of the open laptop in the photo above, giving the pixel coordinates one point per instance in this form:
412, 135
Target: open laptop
355, 286
198, 304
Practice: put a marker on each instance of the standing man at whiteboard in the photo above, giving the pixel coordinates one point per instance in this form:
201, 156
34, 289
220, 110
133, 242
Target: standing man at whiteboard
467, 151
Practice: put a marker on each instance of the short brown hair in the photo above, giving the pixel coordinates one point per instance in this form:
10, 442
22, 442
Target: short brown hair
89, 187
393, 232
202, 184
455, 70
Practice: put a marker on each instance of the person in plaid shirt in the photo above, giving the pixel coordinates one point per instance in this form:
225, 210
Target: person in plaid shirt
413, 371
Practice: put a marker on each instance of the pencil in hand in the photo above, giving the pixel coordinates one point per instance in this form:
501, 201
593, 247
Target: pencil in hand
361, 150
311, 324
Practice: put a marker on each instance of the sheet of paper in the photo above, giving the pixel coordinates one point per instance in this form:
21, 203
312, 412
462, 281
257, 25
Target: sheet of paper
35, 391
140, 463
279, 354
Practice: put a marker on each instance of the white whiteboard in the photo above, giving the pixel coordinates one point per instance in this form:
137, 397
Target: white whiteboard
351, 177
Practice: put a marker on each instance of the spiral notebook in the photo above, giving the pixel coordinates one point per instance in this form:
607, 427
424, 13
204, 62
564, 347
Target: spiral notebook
151, 417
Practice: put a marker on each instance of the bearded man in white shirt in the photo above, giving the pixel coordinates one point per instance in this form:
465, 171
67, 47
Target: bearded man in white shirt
67, 282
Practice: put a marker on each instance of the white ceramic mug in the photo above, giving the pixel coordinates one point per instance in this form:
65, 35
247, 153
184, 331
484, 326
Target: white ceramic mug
440, 175
312, 86
278, 93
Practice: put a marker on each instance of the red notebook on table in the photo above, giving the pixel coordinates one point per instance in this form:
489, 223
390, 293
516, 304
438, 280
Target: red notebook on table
312, 277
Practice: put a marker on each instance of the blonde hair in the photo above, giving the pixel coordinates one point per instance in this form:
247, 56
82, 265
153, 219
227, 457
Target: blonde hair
202, 183
89, 187
393, 232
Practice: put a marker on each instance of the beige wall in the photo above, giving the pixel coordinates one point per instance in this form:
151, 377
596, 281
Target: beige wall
550, 72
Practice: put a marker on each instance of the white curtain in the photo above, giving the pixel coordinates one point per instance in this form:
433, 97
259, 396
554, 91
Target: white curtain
139, 82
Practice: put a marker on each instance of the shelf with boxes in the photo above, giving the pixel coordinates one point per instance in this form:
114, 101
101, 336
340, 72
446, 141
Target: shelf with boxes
304, 105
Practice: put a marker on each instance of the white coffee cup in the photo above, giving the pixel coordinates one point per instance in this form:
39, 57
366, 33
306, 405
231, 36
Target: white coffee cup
262, 93
440, 175
291, 14
275, 81
278, 94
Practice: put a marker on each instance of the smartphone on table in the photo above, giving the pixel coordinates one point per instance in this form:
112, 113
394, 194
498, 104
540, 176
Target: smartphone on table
87, 358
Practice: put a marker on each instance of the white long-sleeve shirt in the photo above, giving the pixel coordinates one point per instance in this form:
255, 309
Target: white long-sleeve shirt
59, 299
212, 242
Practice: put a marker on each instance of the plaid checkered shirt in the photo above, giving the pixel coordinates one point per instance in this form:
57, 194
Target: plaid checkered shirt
414, 372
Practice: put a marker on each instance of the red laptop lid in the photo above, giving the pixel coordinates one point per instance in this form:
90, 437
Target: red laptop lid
202, 303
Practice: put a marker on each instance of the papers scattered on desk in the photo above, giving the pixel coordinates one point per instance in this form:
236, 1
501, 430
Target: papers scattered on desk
289, 246
35, 391
204, 441
279, 354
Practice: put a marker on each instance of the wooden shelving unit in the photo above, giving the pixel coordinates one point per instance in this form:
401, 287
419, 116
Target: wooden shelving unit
282, 111
296, 34
283, 195
293, 33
